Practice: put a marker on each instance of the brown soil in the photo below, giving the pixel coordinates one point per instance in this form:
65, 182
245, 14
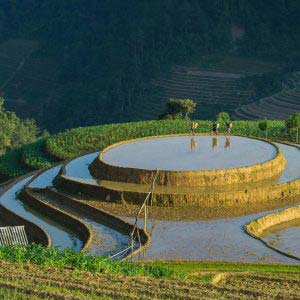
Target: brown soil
188, 213
28, 281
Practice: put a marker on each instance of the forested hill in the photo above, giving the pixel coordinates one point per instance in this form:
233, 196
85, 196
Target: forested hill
76, 63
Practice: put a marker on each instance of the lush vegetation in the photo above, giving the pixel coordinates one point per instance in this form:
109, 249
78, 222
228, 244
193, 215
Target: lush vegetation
105, 53
53, 257
15, 132
293, 124
71, 143
80, 140
34, 156
177, 108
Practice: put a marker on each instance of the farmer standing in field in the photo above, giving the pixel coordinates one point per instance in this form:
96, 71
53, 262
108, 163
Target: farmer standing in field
228, 127
194, 127
215, 128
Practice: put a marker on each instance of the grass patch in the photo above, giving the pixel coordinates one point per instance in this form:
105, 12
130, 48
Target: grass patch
189, 267
54, 257
202, 271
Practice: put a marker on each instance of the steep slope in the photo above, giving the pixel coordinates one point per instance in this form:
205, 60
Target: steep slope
95, 61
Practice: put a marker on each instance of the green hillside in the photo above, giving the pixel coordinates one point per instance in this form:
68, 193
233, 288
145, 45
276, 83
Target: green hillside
78, 63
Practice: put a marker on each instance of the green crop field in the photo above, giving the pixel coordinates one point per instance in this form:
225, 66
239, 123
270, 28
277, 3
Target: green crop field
38, 273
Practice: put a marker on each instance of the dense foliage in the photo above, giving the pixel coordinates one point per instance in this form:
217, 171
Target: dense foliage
105, 53
80, 140
293, 124
34, 156
177, 108
15, 132
53, 257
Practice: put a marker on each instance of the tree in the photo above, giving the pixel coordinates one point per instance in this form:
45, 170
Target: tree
15, 132
223, 118
263, 126
188, 106
293, 124
177, 107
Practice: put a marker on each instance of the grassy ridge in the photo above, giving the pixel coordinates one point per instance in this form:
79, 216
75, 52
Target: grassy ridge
79, 140
68, 258
53, 257
85, 139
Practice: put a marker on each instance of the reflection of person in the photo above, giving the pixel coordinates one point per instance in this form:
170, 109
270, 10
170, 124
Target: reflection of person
227, 143
215, 128
215, 142
228, 127
193, 143
194, 127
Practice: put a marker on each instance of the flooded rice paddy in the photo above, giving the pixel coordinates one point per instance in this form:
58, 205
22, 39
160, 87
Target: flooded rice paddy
286, 239
184, 153
218, 239
106, 241
61, 236
222, 239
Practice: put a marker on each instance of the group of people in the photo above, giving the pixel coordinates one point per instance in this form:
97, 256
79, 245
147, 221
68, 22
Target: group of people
215, 128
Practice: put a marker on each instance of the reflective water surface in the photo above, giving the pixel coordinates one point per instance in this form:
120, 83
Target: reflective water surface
46, 178
223, 240
286, 239
61, 236
106, 241
186, 153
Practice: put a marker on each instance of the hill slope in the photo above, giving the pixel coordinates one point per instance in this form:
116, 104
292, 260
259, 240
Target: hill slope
76, 63
276, 107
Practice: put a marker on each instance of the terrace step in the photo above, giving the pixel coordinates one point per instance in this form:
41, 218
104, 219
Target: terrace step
279, 106
114, 241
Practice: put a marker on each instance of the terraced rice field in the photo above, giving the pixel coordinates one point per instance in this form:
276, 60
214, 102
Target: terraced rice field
215, 85
276, 107
209, 89
37, 282
198, 237
61, 236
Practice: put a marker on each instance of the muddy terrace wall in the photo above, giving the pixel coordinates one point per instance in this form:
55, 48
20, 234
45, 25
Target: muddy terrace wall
62, 217
259, 227
34, 233
257, 172
208, 200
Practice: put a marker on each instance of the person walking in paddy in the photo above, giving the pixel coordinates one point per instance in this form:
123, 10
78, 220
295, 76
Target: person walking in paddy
215, 128
194, 127
228, 127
